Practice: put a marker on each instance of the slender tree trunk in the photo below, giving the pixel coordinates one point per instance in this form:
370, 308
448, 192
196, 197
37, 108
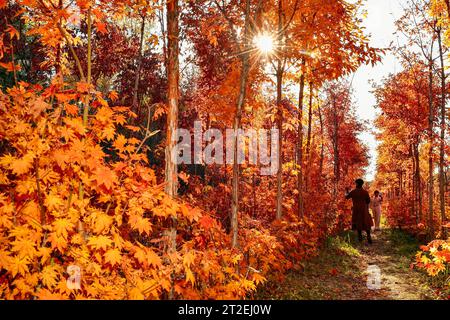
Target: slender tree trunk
137, 78
172, 95
321, 142
336, 147
419, 188
279, 74
171, 175
279, 213
300, 144
236, 125
413, 191
430, 150
308, 140
442, 139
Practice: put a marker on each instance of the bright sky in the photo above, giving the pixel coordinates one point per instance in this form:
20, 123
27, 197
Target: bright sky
380, 24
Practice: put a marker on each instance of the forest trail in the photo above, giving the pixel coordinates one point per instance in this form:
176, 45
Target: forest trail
340, 271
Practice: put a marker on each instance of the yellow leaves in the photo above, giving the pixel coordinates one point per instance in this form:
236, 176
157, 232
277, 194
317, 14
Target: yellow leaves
113, 256
190, 276
56, 242
77, 125
45, 294
257, 278
104, 115
147, 257
150, 287
83, 87
19, 265
53, 201
188, 259
49, 276
44, 253
113, 95
23, 248
17, 165
120, 143
100, 222
62, 226
143, 225
100, 242
105, 176
108, 133
236, 258
38, 106
136, 294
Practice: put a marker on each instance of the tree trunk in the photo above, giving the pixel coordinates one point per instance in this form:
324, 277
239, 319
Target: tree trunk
279, 74
300, 143
308, 140
335, 147
419, 189
321, 142
136, 104
430, 149
171, 175
442, 139
280, 143
236, 126
171, 178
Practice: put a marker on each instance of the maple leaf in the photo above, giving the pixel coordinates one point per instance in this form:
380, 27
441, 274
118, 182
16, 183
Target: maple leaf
23, 248
57, 242
104, 115
120, 142
105, 176
258, 278
61, 226
102, 222
76, 124
113, 256
147, 257
113, 95
190, 276
83, 87
19, 265
22, 165
100, 242
108, 133
53, 201
49, 276
143, 225
188, 259
101, 27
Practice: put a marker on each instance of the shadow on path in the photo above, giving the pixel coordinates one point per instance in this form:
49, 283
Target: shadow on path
340, 271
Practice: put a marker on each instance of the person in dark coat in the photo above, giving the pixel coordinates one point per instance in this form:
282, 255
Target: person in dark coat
361, 218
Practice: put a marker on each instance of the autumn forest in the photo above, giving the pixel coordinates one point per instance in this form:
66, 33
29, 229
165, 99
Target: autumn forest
203, 149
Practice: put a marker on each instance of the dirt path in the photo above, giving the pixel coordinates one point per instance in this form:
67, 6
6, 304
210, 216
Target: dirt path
342, 268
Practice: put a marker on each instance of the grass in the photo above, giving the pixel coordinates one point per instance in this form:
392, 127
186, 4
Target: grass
339, 271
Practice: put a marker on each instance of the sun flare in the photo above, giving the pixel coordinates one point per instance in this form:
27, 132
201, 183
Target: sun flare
264, 43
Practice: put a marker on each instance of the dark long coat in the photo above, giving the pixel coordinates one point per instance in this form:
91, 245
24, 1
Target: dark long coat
361, 218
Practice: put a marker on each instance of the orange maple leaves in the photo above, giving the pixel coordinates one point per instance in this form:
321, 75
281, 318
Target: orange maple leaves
113, 230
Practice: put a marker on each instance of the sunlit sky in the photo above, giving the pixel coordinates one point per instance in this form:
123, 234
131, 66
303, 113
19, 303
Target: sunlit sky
380, 24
